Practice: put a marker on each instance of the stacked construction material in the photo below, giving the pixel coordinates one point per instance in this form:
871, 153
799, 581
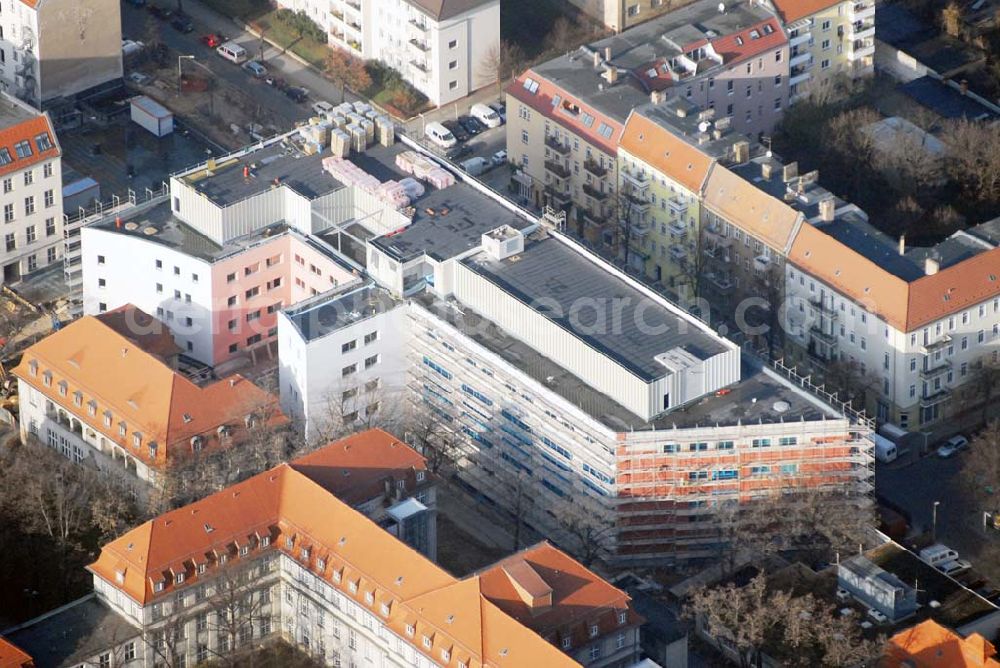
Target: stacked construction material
350, 174
385, 130
394, 193
413, 188
340, 143
423, 168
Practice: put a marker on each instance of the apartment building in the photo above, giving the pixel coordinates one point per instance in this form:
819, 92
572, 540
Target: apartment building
442, 48
569, 113
917, 323
31, 173
827, 39
109, 392
561, 380
665, 156
51, 50
342, 589
382, 478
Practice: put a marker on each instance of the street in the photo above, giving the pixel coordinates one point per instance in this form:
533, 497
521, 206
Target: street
915, 487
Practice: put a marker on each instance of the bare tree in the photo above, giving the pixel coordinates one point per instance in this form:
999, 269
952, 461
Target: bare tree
501, 62
438, 443
985, 383
588, 535
625, 216
238, 610
974, 158
852, 384
981, 468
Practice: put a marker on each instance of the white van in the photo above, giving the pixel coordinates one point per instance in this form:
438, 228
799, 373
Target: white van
485, 115
440, 135
233, 52
938, 554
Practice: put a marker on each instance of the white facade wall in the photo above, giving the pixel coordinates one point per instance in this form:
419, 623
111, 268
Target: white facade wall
311, 373
128, 266
31, 241
897, 357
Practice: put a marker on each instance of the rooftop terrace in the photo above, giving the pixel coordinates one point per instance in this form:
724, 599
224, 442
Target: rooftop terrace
320, 316
595, 306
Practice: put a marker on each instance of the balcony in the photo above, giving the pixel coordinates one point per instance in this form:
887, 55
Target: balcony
934, 397
641, 230
861, 49
557, 169
762, 262
353, 4
719, 253
862, 30
420, 45
823, 335
557, 197
800, 58
419, 24
638, 180
592, 192
592, 218
936, 345
799, 74
678, 252
553, 143
860, 11
803, 37
824, 307
722, 283
677, 229
637, 203
595, 168
677, 206
934, 368
420, 65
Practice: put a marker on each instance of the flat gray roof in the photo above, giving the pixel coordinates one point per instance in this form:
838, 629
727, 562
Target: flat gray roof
589, 302
278, 162
157, 223
723, 410
575, 73
13, 111
73, 633
323, 315
446, 222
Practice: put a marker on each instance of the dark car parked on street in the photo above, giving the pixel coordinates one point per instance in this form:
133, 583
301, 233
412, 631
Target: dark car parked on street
471, 125
182, 23
457, 130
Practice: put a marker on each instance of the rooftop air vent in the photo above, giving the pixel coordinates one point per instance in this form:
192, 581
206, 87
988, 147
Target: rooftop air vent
781, 406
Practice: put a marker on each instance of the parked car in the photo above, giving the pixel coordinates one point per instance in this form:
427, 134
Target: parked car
501, 110
485, 115
322, 107
212, 40
953, 446
440, 135
954, 567
456, 153
457, 130
499, 158
162, 13
475, 166
182, 23
232, 52
471, 125
297, 94
255, 68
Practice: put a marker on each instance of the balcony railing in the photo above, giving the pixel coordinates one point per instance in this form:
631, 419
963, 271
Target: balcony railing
591, 191
677, 229
677, 206
935, 397
557, 168
553, 143
420, 66
827, 337
420, 45
592, 217
936, 345
419, 24
935, 368
721, 282
595, 168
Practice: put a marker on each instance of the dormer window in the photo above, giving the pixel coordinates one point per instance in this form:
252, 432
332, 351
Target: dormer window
622, 617
152, 450
78, 398
120, 577
420, 476
63, 388
594, 630
91, 408
428, 642
33, 367
567, 642
47, 379
305, 554
196, 443
136, 439
445, 655
107, 418
321, 565
245, 550
289, 542
353, 587
179, 578
223, 558
385, 610
336, 576
201, 569
122, 429
158, 586
369, 598
265, 541
410, 630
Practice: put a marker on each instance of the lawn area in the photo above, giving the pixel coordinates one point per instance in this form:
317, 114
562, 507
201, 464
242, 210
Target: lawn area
285, 35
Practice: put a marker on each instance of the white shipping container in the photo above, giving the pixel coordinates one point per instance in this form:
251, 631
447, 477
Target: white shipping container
153, 116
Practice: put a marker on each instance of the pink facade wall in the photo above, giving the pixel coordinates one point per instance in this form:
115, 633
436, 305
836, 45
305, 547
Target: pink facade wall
272, 275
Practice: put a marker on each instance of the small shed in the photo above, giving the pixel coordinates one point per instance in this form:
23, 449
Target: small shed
152, 115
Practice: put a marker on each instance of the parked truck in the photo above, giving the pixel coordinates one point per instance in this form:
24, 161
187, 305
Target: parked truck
885, 450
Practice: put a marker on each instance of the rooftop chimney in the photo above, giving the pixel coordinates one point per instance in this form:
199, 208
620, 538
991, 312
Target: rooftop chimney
607, 53
597, 58
741, 152
931, 266
657, 96
790, 171
902, 244
827, 209
611, 74
766, 168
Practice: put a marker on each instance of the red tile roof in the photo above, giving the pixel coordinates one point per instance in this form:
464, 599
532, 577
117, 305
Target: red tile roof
117, 379
142, 330
475, 619
793, 10
357, 468
541, 101
28, 130
664, 151
12, 656
739, 46
930, 645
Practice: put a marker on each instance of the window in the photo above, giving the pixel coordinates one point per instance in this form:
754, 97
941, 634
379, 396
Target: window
371, 361
29, 205
453, 64
371, 337
50, 226
50, 198
230, 277
8, 213
23, 149
29, 233
43, 142
159, 264
524, 136
349, 346
595, 652
47, 170
594, 630
622, 617
5, 158
252, 292
130, 648
452, 44
348, 370
8, 185
567, 642
10, 242
825, 64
